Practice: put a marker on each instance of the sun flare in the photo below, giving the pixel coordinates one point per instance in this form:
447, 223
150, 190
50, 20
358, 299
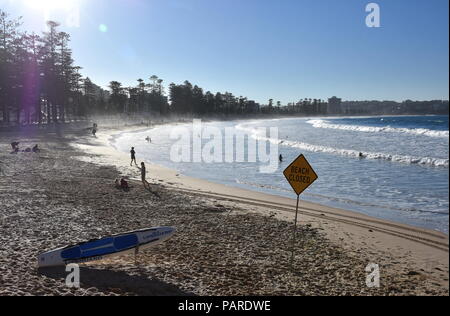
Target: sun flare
48, 5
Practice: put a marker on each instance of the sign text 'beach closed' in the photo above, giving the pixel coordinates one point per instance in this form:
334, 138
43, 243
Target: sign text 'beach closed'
300, 175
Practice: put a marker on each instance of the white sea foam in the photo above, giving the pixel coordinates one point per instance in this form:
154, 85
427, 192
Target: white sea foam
374, 129
437, 162
426, 161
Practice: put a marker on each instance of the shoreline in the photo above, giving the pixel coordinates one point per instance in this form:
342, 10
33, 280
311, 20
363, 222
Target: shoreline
229, 241
200, 183
427, 246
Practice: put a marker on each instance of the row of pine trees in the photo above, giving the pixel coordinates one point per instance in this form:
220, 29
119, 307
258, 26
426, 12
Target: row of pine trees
38, 80
41, 84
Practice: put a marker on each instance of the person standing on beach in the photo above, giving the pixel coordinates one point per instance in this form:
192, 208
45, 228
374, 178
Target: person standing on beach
133, 156
143, 174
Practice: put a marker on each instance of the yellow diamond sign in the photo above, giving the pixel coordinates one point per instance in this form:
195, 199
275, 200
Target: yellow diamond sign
300, 174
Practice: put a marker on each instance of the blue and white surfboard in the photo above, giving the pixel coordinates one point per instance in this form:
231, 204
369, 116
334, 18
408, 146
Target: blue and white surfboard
107, 247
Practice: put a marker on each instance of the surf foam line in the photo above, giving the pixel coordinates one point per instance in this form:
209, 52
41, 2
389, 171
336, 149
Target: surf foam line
372, 129
426, 161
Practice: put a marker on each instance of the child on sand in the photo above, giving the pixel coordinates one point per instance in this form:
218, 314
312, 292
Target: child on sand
122, 184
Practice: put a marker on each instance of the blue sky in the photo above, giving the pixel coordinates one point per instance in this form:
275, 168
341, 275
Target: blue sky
280, 49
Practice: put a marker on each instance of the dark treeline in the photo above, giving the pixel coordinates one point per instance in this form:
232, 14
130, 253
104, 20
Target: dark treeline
38, 81
187, 99
40, 84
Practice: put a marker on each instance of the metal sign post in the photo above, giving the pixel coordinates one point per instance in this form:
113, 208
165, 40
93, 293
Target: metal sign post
295, 231
300, 176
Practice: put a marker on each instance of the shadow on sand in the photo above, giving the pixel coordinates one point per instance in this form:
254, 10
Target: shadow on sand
112, 281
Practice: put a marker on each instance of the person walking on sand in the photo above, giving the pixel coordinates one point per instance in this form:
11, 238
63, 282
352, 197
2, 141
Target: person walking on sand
133, 156
143, 174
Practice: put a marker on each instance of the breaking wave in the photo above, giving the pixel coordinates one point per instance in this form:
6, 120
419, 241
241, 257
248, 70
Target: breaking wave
374, 129
425, 161
429, 161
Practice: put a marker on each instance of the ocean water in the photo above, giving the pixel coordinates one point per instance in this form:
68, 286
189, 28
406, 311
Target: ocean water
394, 168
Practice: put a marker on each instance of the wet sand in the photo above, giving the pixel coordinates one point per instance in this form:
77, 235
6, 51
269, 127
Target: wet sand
228, 241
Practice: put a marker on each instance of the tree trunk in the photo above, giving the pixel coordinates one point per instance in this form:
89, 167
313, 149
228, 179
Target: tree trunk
5, 114
49, 118
62, 112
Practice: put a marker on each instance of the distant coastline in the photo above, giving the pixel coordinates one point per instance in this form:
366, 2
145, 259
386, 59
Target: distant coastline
147, 119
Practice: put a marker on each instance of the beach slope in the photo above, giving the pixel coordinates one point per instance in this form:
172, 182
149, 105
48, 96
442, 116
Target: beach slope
229, 241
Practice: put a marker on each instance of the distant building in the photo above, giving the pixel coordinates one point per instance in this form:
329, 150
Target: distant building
334, 105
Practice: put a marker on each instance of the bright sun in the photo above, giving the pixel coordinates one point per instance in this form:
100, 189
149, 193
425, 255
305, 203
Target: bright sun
48, 5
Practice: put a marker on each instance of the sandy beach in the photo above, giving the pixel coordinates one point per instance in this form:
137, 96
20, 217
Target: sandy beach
229, 241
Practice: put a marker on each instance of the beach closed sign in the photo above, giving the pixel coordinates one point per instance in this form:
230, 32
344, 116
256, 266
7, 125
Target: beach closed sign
300, 174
